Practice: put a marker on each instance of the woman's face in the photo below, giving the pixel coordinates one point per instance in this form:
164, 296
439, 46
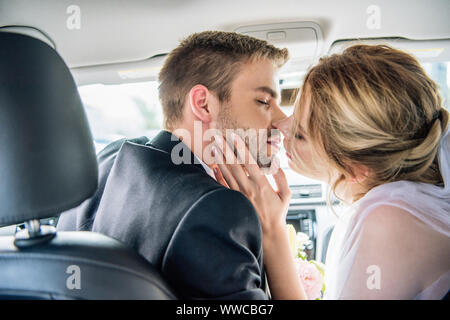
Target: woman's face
309, 159
298, 144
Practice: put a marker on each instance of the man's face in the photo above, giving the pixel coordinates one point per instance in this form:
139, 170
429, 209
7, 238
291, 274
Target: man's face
253, 108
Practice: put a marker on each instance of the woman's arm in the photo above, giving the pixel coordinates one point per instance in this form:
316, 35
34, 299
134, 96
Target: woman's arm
271, 207
284, 282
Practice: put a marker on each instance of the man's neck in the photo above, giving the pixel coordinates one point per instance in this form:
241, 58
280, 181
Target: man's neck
193, 139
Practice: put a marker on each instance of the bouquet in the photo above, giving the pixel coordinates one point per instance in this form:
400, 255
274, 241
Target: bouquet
311, 272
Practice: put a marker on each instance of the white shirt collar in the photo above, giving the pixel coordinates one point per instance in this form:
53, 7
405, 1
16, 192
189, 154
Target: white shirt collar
208, 170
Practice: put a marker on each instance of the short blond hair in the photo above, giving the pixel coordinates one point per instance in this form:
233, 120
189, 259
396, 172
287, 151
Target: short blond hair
375, 106
210, 58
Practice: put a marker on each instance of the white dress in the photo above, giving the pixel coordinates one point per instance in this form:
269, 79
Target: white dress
379, 258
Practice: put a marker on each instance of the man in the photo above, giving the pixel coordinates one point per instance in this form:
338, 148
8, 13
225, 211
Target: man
205, 239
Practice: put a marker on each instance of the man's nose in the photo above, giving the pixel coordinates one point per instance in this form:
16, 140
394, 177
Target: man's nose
284, 125
277, 114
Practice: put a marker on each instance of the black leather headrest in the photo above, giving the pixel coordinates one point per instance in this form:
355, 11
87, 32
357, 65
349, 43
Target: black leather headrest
47, 157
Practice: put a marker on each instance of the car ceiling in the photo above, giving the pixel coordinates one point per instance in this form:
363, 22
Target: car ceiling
114, 31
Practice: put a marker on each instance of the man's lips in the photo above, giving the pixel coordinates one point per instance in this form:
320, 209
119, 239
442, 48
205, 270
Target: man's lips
274, 142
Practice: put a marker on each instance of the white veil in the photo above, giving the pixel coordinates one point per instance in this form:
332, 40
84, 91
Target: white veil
428, 202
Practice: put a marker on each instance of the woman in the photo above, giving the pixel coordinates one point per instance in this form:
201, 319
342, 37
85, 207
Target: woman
371, 124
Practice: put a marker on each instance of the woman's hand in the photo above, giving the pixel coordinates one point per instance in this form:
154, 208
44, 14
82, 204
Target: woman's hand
271, 206
243, 174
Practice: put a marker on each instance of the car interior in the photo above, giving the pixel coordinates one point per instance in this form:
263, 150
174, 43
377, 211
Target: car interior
86, 74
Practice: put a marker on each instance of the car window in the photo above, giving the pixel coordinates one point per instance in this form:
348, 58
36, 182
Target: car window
122, 111
440, 73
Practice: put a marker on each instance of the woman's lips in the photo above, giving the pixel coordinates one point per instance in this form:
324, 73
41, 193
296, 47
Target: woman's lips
285, 143
274, 141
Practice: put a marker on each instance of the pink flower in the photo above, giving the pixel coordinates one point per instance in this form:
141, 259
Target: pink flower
310, 277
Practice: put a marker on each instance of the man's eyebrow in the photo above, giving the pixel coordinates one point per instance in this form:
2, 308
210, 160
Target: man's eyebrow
268, 90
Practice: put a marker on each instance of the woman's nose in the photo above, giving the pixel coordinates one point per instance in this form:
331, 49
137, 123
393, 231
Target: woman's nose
284, 126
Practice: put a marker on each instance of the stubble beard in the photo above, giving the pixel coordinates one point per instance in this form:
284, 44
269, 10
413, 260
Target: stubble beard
258, 149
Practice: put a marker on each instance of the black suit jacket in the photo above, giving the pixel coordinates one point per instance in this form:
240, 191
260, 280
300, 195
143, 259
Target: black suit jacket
205, 239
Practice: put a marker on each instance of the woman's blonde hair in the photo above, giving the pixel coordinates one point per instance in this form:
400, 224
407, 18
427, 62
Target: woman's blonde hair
374, 106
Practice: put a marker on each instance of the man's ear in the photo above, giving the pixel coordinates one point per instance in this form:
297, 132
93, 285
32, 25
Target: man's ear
199, 97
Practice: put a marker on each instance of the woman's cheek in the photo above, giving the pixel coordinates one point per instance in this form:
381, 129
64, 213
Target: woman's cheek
306, 166
301, 161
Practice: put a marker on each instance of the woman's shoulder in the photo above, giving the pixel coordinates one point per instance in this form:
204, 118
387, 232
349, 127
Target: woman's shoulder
408, 254
391, 214
430, 203
403, 199
391, 208
389, 221
392, 232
